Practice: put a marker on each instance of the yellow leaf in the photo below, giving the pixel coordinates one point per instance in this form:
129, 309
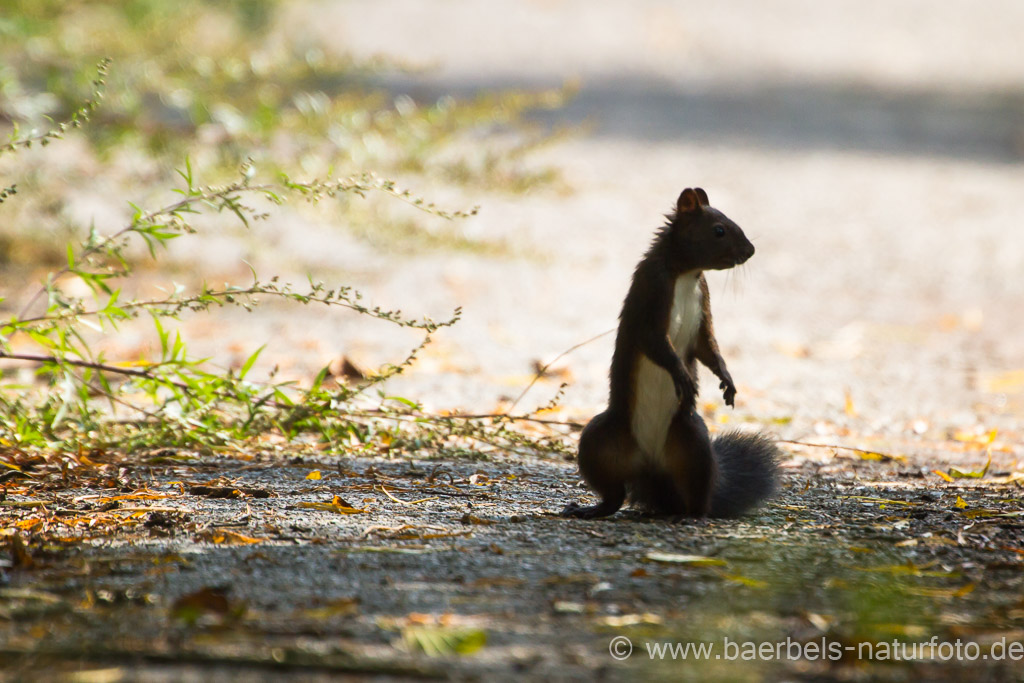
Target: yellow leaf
314, 475
882, 457
988, 512
943, 475
958, 473
745, 580
969, 588
336, 505
971, 437
228, 537
960, 503
849, 408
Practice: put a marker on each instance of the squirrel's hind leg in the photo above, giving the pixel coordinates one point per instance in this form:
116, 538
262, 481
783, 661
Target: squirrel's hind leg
690, 461
607, 459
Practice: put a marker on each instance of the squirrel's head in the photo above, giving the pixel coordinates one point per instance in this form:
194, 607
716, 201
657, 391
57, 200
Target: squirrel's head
703, 237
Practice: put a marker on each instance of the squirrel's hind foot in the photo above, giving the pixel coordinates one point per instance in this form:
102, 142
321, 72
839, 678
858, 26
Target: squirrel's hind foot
587, 512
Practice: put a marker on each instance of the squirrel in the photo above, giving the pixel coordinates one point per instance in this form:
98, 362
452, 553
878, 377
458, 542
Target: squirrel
650, 445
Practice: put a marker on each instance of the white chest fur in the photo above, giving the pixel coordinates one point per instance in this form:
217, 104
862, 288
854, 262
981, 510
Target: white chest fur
654, 391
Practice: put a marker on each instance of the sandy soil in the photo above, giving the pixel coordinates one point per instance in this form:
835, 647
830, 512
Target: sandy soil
872, 153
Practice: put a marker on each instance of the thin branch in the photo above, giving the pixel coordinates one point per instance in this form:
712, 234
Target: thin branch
504, 417
116, 399
544, 369
842, 448
80, 115
103, 367
513, 418
183, 302
365, 183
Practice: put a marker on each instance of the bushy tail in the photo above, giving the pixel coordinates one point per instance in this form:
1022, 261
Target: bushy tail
748, 473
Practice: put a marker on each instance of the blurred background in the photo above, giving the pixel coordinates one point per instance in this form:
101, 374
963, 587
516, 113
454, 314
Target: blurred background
873, 151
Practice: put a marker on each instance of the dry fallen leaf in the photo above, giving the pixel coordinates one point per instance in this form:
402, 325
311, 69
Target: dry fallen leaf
473, 519
677, 558
957, 473
553, 370
744, 580
972, 437
208, 491
346, 368
337, 504
228, 537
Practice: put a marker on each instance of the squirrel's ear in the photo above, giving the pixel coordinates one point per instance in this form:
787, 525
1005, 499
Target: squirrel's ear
702, 196
688, 202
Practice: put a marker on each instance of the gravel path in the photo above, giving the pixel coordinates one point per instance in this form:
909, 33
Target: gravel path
872, 151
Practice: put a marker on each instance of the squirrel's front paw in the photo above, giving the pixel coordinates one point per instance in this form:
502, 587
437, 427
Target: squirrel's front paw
680, 387
728, 391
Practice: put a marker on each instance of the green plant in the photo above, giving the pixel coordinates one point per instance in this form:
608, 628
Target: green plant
223, 86
85, 400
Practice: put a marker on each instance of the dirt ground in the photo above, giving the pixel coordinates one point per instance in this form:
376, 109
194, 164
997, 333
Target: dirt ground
873, 152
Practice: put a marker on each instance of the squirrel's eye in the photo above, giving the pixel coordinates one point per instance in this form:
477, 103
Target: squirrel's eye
719, 231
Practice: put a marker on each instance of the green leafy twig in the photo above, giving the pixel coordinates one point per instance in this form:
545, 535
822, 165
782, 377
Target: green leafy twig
78, 117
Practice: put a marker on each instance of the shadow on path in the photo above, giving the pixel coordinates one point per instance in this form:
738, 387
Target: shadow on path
986, 125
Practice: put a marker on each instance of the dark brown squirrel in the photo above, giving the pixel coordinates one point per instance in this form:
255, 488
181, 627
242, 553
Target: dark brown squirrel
651, 446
